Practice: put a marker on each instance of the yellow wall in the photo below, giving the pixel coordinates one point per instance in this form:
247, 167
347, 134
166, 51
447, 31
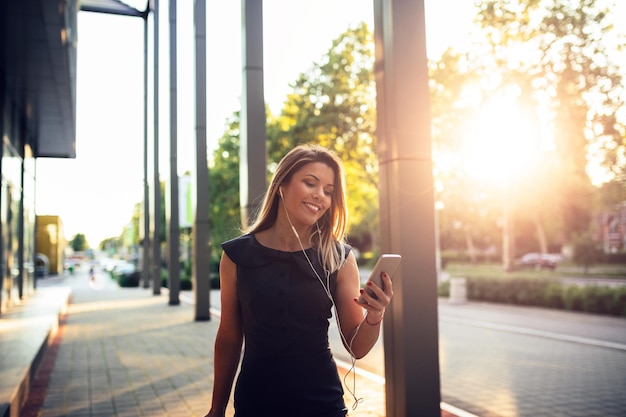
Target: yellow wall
51, 241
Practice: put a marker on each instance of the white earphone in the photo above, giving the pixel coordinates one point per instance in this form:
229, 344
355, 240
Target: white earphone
326, 287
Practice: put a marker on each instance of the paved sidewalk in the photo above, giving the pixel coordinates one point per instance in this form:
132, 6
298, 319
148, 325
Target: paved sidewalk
25, 333
125, 352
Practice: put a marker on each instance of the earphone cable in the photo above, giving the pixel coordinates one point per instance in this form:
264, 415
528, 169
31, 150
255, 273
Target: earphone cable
326, 288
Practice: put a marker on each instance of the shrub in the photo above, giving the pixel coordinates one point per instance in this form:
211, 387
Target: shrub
186, 284
214, 282
605, 300
618, 303
573, 298
586, 251
597, 299
528, 291
443, 289
553, 295
489, 289
545, 293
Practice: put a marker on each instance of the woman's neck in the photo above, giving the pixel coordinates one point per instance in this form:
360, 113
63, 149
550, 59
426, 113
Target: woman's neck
282, 237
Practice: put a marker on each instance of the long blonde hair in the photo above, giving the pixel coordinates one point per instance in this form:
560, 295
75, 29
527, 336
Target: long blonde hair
332, 225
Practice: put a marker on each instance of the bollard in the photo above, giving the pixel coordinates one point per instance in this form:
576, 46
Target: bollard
458, 290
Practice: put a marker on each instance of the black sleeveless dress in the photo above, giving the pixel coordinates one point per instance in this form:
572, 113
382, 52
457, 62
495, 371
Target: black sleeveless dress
287, 367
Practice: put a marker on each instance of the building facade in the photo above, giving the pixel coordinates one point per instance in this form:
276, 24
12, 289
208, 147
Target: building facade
37, 120
610, 229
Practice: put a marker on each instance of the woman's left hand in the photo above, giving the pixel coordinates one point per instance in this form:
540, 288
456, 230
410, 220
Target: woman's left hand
376, 304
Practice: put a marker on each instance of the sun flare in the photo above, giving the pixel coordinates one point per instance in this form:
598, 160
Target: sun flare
500, 142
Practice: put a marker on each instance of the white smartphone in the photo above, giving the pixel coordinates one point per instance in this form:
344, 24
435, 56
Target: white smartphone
388, 263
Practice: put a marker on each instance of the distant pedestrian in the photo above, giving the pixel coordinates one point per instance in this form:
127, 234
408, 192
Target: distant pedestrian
279, 282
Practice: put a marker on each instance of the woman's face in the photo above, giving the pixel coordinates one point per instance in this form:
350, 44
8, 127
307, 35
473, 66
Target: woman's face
309, 193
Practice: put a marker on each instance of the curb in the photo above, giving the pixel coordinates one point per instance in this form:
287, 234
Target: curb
22, 375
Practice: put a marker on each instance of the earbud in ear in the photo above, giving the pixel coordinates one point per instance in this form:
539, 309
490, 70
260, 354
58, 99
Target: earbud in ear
280, 191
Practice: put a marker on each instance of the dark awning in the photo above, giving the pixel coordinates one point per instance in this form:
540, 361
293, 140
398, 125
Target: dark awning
38, 40
114, 7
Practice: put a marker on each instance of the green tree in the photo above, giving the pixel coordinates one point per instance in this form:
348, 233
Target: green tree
586, 252
469, 217
130, 233
79, 243
110, 245
573, 69
333, 104
224, 210
611, 193
553, 56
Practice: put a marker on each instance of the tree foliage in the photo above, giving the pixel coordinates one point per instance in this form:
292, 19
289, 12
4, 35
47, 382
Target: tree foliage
79, 243
555, 57
224, 210
586, 252
332, 104
572, 70
558, 58
110, 245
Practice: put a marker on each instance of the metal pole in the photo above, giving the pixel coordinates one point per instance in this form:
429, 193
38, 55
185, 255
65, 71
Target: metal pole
33, 255
252, 153
156, 258
173, 237
201, 250
407, 209
23, 281
145, 270
507, 233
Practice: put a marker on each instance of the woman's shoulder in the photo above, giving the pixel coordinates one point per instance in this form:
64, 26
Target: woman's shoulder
238, 246
344, 248
244, 250
239, 241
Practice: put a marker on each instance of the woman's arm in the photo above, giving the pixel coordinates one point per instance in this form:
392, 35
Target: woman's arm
360, 333
228, 341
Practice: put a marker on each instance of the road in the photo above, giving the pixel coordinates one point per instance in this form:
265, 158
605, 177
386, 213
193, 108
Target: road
510, 361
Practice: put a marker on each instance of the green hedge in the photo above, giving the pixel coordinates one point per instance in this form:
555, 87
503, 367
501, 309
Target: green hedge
186, 284
545, 293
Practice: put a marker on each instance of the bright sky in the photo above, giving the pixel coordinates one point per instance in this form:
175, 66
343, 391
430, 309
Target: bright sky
95, 193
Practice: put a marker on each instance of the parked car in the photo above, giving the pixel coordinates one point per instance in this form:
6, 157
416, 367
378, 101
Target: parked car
126, 274
109, 265
539, 260
123, 268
